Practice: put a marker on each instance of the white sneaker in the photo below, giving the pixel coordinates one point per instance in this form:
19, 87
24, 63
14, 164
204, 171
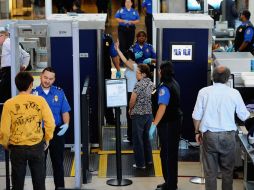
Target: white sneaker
126, 140
135, 166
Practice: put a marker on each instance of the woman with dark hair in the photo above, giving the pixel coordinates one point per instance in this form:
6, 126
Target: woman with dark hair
140, 109
168, 122
127, 17
144, 52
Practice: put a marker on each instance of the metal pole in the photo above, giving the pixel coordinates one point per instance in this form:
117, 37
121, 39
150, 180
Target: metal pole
7, 170
118, 145
119, 181
156, 9
205, 7
201, 179
48, 8
76, 98
159, 53
14, 58
100, 87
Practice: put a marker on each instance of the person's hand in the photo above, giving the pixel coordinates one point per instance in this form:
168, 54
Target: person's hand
46, 145
126, 22
118, 74
138, 54
198, 137
22, 68
152, 131
63, 128
147, 61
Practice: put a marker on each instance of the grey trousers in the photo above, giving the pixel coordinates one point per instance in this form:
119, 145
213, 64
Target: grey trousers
218, 152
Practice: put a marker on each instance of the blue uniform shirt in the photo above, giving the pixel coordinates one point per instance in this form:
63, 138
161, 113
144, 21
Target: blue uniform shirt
147, 49
56, 100
124, 14
112, 50
248, 35
148, 4
163, 96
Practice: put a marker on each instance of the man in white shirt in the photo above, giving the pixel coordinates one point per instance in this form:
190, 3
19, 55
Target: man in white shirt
215, 128
5, 71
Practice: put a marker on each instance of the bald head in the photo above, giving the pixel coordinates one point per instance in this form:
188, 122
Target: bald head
221, 74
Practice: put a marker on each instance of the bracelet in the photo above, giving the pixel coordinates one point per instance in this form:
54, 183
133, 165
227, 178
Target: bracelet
197, 132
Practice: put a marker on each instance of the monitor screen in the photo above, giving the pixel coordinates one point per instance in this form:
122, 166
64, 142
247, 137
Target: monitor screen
194, 5
182, 51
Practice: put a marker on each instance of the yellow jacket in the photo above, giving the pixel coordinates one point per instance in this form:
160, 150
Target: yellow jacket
21, 122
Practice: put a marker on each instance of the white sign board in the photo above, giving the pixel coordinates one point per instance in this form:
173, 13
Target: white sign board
116, 92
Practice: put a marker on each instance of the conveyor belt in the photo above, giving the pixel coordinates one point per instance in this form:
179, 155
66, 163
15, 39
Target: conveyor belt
108, 139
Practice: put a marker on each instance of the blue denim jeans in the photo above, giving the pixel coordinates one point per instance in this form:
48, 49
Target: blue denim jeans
141, 143
34, 156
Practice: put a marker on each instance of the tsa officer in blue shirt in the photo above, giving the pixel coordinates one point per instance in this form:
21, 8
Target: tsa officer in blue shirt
147, 5
144, 52
60, 108
167, 119
244, 39
127, 17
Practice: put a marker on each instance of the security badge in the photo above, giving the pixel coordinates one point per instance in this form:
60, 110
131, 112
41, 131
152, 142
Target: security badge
107, 44
240, 30
56, 98
147, 50
162, 92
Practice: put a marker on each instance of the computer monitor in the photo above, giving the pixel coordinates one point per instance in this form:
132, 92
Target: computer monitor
195, 5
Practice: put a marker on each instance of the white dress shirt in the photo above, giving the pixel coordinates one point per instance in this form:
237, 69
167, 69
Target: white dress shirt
216, 106
24, 57
131, 77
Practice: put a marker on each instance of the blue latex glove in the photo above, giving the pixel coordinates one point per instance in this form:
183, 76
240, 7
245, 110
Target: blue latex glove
138, 54
63, 128
152, 131
147, 61
118, 74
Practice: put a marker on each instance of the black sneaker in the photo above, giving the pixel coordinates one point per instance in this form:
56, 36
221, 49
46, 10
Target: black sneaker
161, 185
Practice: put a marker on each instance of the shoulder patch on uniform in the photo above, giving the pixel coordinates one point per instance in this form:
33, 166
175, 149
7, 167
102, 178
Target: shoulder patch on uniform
58, 88
248, 31
162, 92
35, 92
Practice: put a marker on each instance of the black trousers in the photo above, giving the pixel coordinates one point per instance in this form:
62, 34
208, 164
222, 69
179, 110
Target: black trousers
5, 85
56, 151
34, 156
169, 136
149, 27
126, 37
129, 120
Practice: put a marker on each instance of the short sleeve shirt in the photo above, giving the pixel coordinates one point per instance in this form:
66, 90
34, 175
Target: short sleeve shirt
56, 100
143, 105
126, 14
163, 95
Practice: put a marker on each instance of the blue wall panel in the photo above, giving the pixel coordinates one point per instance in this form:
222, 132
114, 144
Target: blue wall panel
62, 62
192, 76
